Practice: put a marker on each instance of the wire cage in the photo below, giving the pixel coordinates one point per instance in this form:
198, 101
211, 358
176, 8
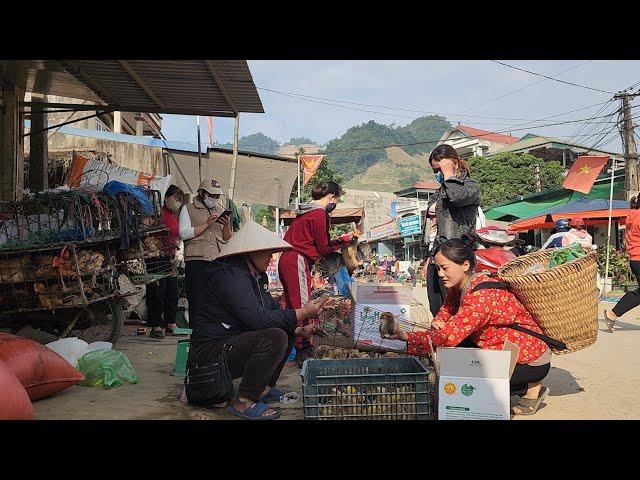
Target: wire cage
55, 218
55, 277
149, 258
368, 389
349, 325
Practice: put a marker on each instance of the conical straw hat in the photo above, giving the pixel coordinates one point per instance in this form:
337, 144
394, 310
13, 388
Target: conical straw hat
253, 238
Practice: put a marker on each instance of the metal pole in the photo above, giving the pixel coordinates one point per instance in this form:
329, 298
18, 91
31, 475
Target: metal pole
299, 196
234, 164
199, 152
606, 268
278, 221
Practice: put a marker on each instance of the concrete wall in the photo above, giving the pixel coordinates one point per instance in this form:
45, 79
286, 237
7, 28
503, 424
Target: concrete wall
377, 205
137, 157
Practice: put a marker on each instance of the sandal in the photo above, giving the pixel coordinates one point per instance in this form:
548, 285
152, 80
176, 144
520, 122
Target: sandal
273, 395
610, 322
156, 334
529, 406
254, 412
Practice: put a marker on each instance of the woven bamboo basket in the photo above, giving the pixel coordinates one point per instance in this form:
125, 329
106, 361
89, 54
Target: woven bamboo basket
563, 300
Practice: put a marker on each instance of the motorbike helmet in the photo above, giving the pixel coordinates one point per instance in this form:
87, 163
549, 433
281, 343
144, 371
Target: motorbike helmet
562, 225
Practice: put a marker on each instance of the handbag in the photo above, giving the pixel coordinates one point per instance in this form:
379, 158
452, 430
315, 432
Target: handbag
209, 384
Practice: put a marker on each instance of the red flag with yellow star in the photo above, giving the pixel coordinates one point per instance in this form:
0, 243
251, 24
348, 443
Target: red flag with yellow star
583, 173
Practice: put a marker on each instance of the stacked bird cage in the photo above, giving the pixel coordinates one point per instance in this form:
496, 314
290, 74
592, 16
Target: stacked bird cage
149, 258
54, 277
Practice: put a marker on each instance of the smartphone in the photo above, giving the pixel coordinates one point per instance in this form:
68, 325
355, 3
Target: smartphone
226, 213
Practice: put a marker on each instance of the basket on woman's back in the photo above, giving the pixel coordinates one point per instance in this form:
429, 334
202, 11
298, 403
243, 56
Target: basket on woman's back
563, 299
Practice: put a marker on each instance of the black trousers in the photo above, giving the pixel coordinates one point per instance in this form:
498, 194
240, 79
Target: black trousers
525, 374
258, 357
162, 298
630, 300
194, 281
436, 290
522, 374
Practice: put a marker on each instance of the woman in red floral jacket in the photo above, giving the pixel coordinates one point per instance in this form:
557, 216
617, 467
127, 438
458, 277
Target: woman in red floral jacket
481, 318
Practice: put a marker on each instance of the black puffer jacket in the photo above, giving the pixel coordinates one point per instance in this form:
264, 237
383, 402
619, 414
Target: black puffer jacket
236, 302
457, 202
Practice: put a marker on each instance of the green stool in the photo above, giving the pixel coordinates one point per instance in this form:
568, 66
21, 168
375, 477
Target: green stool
182, 353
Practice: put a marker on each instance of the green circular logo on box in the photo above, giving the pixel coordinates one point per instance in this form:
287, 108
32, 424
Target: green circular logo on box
467, 390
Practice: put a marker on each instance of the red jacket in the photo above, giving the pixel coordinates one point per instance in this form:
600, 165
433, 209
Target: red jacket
480, 315
632, 235
170, 221
309, 233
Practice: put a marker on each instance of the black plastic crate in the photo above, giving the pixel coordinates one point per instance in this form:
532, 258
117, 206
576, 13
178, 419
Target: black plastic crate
368, 389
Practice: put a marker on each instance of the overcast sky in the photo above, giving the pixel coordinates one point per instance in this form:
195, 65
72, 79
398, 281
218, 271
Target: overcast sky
462, 91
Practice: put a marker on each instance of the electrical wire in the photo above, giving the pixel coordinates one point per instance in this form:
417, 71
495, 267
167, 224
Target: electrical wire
311, 98
551, 78
522, 88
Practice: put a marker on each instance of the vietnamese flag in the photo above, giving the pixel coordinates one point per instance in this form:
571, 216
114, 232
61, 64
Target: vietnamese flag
583, 173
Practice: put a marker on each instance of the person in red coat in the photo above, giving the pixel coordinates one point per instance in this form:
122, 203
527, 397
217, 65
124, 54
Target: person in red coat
482, 318
309, 237
630, 300
162, 295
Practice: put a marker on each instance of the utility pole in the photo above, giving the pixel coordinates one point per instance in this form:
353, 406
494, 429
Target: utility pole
632, 169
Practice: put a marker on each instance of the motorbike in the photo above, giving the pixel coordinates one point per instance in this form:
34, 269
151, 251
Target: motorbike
497, 247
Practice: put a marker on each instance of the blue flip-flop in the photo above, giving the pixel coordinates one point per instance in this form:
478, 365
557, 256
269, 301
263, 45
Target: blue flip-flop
273, 395
254, 412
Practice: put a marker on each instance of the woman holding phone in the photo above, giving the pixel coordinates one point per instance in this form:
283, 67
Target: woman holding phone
205, 226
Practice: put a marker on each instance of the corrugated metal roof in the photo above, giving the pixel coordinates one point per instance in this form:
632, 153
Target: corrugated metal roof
540, 141
189, 87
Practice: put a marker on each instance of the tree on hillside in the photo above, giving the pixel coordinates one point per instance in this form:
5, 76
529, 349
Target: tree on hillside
352, 154
256, 142
426, 129
301, 141
507, 175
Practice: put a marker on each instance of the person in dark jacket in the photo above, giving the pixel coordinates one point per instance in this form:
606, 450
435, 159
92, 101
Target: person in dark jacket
237, 310
454, 207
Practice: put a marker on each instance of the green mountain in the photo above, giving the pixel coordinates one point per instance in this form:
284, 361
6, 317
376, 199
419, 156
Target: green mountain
352, 155
363, 167
256, 142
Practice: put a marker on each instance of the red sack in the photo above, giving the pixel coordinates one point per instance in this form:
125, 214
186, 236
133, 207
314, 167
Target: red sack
14, 401
41, 371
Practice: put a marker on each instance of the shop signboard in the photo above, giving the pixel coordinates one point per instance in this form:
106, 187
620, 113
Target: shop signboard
383, 231
409, 225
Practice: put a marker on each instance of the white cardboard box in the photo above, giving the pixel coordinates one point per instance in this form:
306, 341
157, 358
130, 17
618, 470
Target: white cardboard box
474, 384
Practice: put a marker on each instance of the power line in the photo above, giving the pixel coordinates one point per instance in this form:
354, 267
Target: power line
551, 78
523, 88
309, 97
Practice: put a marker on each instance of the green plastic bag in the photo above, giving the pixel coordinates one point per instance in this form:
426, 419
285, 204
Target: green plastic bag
106, 368
566, 254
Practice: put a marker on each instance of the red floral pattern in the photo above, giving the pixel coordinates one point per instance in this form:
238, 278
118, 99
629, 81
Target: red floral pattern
479, 316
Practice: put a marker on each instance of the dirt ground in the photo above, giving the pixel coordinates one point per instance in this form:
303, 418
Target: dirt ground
596, 383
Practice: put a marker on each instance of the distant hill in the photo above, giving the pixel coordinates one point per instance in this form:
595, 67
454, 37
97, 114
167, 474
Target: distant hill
399, 170
256, 142
351, 155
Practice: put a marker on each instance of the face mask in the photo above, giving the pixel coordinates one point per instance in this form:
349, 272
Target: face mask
330, 207
173, 205
210, 202
440, 177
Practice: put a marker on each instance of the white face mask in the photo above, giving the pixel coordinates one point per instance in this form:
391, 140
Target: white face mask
210, 202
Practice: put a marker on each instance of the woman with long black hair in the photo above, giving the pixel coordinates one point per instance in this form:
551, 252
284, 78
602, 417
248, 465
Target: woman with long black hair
453, 208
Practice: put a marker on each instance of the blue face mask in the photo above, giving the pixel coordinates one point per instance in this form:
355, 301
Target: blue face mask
440, 177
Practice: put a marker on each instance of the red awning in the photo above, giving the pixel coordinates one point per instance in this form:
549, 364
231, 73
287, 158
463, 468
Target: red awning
338, 216
593, 217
